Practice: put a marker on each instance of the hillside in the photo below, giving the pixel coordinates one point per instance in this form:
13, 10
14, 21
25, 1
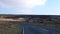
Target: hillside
54, 19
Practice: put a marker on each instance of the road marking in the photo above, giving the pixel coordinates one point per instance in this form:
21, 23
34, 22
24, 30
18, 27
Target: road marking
23, 30
45, 29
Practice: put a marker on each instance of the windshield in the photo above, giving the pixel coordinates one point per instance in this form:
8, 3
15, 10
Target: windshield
29, 16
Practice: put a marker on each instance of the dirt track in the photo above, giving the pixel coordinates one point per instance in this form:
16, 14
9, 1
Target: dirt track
3, 19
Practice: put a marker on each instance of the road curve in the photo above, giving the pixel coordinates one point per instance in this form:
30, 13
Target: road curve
31, 29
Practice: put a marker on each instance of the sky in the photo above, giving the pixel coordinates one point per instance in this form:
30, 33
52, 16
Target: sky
39, 7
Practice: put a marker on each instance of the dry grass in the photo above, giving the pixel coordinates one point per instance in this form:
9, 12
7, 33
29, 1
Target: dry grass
10, 29
4, 19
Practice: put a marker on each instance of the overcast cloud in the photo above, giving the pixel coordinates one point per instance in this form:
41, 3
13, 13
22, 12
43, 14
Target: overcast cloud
21, 5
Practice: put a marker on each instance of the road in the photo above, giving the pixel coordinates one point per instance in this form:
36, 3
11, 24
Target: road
33, 29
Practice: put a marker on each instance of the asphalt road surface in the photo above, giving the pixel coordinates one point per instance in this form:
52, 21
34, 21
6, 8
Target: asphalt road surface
31, 29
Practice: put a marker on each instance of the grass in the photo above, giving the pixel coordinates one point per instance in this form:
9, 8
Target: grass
45, 24
48, 25
10, 29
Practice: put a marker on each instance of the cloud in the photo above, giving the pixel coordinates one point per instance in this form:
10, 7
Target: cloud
21, 5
